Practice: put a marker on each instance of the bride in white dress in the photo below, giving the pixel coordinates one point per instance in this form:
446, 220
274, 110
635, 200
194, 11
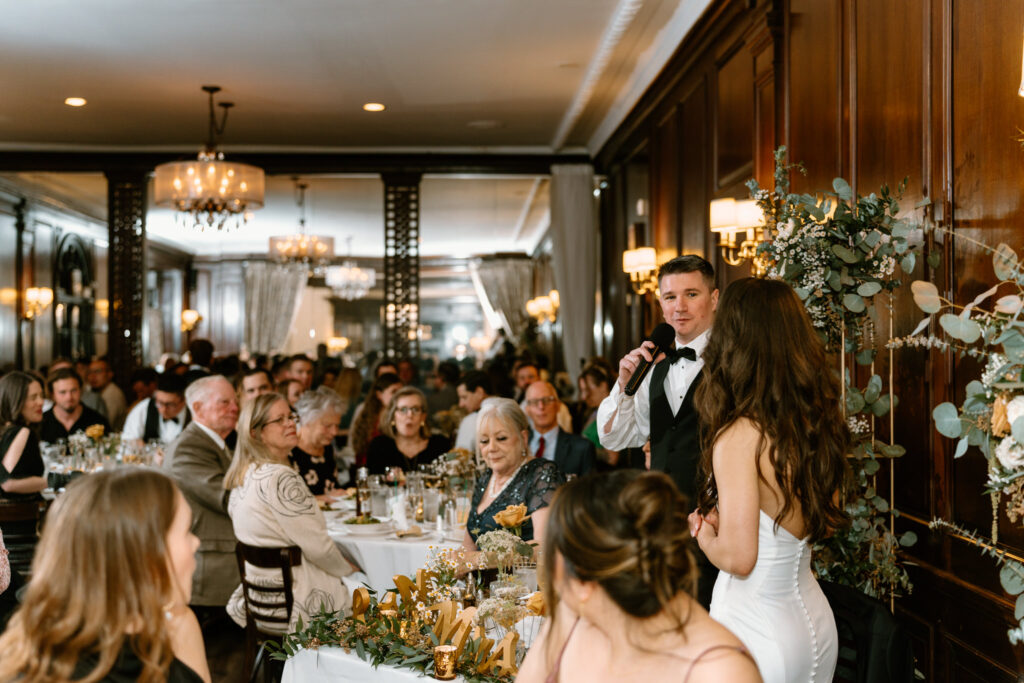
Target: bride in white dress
776, 454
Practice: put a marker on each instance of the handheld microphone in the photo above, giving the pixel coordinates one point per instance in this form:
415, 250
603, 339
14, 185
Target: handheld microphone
663, 336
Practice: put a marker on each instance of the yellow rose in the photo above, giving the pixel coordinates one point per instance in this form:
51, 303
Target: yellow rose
512, 516
535, 603
94, 432
1000, 424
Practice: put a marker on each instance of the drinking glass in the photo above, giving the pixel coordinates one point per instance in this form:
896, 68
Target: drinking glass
379, 496
462, 503
431, 498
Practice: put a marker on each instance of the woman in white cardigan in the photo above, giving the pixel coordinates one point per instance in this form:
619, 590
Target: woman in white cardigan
271, 506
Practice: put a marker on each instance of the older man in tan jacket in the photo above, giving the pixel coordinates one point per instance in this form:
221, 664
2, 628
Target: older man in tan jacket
198, 460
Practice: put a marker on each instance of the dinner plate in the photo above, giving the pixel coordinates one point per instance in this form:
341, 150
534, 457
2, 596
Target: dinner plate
368, 529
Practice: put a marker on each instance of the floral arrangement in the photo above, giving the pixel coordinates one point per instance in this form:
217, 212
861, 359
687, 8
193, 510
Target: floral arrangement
536, 605
991, 417
840, 252
457, 467
380, 638
502, 548
444, 568
512, 518
504, 612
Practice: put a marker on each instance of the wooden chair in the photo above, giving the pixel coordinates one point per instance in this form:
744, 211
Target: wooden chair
262, 602
20, 523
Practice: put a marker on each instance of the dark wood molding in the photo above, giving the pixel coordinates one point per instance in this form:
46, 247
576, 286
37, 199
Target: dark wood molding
305, 163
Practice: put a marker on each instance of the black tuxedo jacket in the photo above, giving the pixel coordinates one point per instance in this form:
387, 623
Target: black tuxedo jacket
573, 454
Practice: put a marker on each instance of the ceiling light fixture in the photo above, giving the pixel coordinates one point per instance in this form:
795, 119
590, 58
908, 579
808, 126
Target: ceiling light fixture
300, 248
348, 280
210, 191
374, 106
75, 101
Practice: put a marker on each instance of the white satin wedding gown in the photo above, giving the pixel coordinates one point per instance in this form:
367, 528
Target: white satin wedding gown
779, 612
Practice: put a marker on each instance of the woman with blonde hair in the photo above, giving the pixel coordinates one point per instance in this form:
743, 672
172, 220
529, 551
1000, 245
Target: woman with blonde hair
112, 579
405, 441
271, 506
619, 582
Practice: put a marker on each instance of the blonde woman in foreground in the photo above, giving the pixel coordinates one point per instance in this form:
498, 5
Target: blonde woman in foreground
619, 581
111, 582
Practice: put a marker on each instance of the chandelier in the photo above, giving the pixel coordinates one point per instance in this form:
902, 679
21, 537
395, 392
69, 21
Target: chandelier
210, 192
348, 280
301, 248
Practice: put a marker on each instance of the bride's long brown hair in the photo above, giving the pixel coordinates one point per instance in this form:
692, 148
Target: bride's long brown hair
100, 575
764, 362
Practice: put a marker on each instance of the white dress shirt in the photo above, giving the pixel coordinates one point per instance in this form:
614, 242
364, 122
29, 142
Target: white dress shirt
135, 423
466, 438
550, 442
217, 439
632, 425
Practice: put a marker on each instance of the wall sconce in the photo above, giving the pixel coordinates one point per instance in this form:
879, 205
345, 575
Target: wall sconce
544, 307
37, 300
337, 344
190, 319
480, 344
641, 265
740, 228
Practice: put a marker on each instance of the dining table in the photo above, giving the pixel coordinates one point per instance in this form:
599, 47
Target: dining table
333, 664
381, 553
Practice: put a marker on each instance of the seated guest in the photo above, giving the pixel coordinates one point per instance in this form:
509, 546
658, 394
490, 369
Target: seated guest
68, 414
572, 454
513, 477
445, 394
22, 473
366, 423
271, 506
252, 383
10, 582
619, 582
198, 460
89, 399
100, 379
473, 388
405, 441
347, 387
200, 352
110, 589
300, 369
144, 382
319, 413
291, 389
598, 385
527, 373
160, 417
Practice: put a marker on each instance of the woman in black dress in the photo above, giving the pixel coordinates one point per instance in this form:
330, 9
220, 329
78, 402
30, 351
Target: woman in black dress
313, 458
22, 474
513, 476
112, 581
406, 442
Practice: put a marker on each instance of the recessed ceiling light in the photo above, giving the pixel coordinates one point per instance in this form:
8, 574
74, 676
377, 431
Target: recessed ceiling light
373, 106
75, 101
484, 124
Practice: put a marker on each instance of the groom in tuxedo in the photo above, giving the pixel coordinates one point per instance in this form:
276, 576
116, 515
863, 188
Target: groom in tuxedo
662, 409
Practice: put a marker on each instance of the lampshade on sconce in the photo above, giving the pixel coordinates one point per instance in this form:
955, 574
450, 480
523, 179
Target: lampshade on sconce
641, 265
729, 219
190, 319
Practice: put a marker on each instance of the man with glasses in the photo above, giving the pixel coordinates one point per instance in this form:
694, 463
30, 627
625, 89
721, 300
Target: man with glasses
570, 453
161, 417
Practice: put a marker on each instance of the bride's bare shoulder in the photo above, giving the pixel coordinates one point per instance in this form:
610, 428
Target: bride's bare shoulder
740, 432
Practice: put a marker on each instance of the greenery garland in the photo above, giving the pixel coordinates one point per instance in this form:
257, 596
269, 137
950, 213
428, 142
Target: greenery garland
839, 253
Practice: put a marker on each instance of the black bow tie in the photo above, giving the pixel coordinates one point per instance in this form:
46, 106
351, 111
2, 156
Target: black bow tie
675, 354
170, 419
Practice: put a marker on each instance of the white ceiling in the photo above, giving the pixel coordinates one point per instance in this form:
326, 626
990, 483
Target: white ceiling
544, 76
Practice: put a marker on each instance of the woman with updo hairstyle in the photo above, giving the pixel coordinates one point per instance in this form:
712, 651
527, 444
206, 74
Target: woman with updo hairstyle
111, 584
618, 581
775, 445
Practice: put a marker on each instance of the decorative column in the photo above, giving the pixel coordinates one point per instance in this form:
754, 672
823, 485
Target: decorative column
401, 264
126, 217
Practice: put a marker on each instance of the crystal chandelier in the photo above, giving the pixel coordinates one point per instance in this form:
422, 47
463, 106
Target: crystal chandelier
300, 248
210, 192
348, 280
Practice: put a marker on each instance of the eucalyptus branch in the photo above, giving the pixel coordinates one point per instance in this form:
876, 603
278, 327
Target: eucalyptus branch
1001, 556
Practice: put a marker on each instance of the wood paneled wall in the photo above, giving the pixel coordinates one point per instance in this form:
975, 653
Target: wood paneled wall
874, 91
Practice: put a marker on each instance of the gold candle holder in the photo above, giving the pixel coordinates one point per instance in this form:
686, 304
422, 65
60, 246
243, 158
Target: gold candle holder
392, 616
444, 662
406, 628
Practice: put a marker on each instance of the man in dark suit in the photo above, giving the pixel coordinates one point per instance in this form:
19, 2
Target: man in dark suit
68, 414
572, 454
662, 411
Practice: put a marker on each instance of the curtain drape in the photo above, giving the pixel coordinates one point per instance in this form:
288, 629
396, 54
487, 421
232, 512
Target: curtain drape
574, 259
507, 282
272, 296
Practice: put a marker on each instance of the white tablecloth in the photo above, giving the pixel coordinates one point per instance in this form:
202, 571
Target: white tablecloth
332, 664
383, 556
